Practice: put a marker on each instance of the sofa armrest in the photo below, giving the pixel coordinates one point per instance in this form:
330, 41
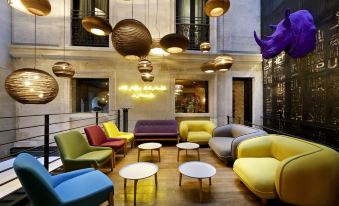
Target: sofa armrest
223, 131
236, 141
209, 127
314, 176
255, 147
183, 131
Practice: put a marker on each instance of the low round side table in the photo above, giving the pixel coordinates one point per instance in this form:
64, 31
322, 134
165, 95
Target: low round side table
198, 170
188, 146
149, 146
138, 171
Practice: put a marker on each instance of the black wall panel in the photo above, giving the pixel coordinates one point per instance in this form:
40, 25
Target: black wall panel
301, 96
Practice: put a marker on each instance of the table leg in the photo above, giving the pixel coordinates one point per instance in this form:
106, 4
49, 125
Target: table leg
138, 154
200, 182
125, 182
156, 180
178, 155
198, 154
159, 154
135, 191
180, 178
210, 180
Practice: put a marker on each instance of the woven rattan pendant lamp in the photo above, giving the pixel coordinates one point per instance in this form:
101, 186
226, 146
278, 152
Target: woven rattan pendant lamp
215, 8
30, 85
131, 38
33, 7
96, 25
174, 43
63, 68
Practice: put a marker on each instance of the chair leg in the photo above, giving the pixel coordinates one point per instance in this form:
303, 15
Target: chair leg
125, 149
113, 160
111, 199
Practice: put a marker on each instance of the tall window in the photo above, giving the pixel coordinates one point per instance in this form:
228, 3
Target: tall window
90, 95
82, 9
192, 22
191, 96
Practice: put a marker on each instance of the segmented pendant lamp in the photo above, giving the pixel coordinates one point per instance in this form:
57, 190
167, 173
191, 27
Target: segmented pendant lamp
63, 68
38, 8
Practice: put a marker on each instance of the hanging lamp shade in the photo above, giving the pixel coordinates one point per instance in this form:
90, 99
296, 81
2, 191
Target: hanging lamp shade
157, 50
145, 66
174, 43
205, 47
36, 7
63, 69
223, 63
96, 25
103, 98
147, 77
131, 39
31, 86
215, 8
208, 67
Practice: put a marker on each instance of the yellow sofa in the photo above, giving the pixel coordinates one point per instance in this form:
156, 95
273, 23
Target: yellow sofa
296, 171
112, 131
198, 131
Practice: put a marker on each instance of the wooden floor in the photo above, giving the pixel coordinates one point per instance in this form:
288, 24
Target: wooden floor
226, 188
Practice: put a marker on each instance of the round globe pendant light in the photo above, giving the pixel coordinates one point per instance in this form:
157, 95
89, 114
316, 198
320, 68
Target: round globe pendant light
63, 69
174, 43
37, 7
208, 67
103, 98
205, 47
96, 25
147, 77
145, 66
31, 86
215, 8
131, 39
223, 63
157, 50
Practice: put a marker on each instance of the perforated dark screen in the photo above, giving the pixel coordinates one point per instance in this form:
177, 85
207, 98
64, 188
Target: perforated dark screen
301, 96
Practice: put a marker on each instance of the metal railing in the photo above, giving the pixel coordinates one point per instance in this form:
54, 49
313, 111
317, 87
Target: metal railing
46, 150
196, 30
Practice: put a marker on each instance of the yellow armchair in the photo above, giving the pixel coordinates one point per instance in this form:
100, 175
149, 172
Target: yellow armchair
112, 131
198, 131
297, 171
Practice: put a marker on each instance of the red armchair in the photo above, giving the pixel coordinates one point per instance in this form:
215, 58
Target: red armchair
96, 137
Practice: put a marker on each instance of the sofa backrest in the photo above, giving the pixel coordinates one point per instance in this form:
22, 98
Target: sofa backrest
198, 125
95, 135
238, 130
283, 147
156, 126
71, 144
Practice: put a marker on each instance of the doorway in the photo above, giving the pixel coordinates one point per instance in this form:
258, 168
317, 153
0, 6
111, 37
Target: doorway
242, 100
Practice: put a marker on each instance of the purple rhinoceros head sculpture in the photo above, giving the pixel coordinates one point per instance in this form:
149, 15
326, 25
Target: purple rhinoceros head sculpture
295, 34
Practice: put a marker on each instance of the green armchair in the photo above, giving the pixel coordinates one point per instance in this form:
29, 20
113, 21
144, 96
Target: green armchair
76, 153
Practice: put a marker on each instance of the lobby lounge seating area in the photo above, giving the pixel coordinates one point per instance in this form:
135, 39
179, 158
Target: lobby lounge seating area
169, 102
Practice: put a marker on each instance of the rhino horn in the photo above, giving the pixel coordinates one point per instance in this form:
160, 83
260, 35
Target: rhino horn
260, 42
287, 20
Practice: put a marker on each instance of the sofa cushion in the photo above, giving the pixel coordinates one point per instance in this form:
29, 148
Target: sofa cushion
221, 146
98, 156
198, 136
258, 174
155, 134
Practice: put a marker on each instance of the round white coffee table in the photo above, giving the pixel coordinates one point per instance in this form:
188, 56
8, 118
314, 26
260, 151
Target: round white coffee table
198, 170
149, 146
138, 171
188, 146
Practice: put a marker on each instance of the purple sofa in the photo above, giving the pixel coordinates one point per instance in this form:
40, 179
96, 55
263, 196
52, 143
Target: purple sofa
155, 130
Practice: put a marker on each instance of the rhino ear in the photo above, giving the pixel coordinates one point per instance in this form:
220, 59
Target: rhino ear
287, 21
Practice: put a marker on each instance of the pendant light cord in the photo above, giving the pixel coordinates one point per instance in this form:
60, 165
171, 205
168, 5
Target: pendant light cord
132, 9
223, 32
64, 30
34, 41
156, 19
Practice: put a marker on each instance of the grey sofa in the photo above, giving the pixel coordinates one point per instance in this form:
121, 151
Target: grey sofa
225, 139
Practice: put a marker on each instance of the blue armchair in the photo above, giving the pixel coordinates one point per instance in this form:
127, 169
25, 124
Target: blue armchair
78, 188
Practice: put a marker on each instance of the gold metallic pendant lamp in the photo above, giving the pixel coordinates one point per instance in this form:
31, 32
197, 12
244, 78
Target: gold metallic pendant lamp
205, 47
208, 67
215, 8
157, 50
223, 63
63, 68
31, 85
174, 43
131, 39
33, 7
147, 77
145, 66
96, 25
